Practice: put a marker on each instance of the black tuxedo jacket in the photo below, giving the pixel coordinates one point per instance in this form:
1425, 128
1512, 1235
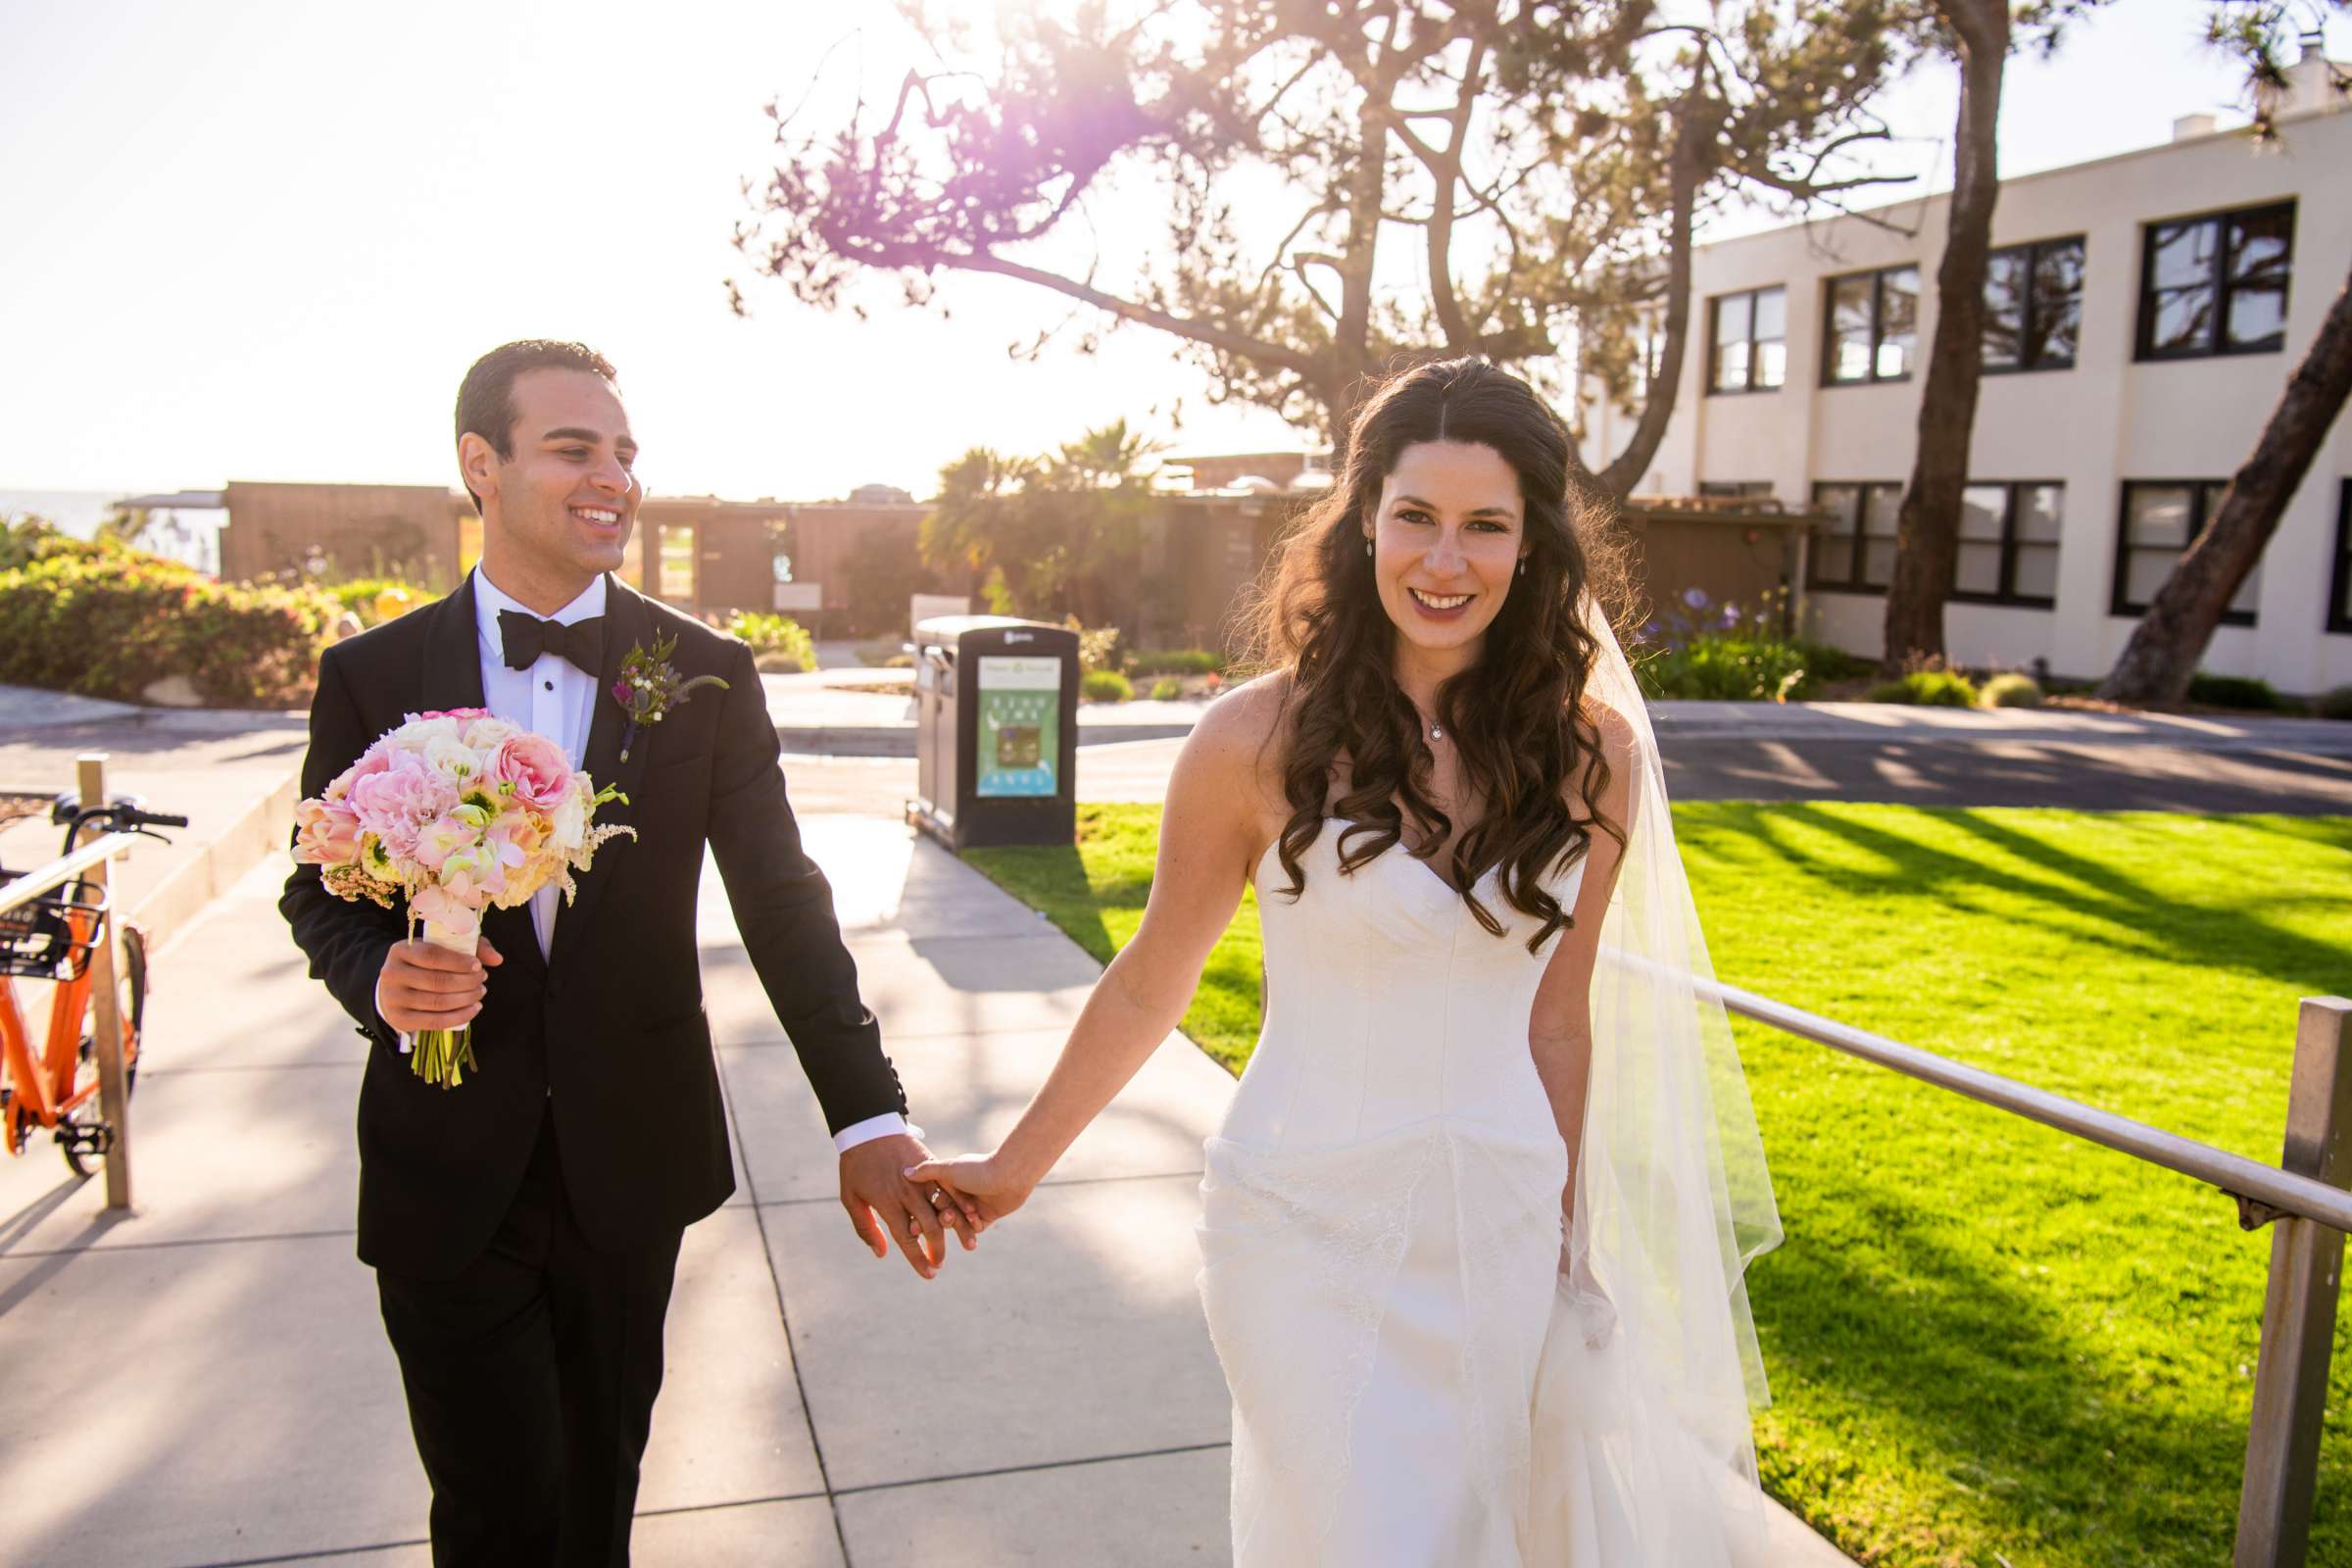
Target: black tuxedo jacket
607, 1031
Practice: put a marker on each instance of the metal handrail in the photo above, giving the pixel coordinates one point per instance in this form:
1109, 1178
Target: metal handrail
2310, 1202
2278, 1191
64, 869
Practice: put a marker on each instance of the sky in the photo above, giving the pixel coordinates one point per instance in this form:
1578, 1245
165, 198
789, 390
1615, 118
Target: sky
262, 240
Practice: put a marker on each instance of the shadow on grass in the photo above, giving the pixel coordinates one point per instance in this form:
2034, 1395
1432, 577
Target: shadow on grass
2144, 920
2017, 1432
1053, 879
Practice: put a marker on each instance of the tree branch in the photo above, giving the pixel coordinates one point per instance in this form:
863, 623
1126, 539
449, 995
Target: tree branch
1238, 344
1694, 132
1445, 303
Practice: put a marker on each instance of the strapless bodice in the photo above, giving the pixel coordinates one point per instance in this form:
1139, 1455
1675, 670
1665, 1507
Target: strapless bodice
1388, 1003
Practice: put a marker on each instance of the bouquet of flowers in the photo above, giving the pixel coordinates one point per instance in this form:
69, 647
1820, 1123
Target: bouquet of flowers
453, 811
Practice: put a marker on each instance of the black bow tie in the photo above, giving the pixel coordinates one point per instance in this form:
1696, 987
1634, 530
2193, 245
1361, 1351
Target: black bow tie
526, 637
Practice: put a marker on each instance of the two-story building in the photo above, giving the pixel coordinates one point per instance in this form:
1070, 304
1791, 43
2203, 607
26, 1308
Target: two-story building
2145, 314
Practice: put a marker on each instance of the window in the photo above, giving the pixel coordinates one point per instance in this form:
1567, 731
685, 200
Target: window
2217, 285
1857, 552
1751, 348
678, 564
2009, 543
2339, 592
2034, 305
1873, 329
2160, 518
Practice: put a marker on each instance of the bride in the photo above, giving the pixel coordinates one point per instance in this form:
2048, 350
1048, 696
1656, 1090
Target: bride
1475, 1226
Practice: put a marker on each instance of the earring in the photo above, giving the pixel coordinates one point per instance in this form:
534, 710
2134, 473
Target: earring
1367, 549
1522, 565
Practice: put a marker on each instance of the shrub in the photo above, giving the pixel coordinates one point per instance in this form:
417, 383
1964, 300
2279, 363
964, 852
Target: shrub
1719, 669
365, 597
1823, 661
2011, 690
26, 538
1097, 647
1701, 651
110, 622
1926, 688
1105, 686
2336, 704
778, 642
1167, 689
2231, 691
1176, 661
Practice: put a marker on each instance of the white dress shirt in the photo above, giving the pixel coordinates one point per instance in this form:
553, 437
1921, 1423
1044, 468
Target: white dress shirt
557, 698
553, 697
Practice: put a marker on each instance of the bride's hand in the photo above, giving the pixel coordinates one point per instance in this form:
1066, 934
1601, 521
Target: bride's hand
1597, 1312
981, 1181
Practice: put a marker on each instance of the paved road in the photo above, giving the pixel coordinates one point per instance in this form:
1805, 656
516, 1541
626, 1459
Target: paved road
1908, 769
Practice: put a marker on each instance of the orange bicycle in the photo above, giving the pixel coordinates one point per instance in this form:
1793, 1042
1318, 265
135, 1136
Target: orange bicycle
52, 938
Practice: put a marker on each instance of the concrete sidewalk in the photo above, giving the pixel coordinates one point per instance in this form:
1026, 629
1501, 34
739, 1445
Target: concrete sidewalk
206, 1382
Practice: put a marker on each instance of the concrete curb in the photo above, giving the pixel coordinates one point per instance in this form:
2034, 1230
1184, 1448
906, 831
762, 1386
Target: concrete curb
898, 740
263, 829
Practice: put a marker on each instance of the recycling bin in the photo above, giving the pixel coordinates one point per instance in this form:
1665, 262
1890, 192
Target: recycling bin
995, 731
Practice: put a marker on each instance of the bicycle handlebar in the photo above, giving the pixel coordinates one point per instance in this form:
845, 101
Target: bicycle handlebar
125, 813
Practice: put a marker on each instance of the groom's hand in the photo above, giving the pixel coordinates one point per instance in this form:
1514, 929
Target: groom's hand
884, 1206
426, 987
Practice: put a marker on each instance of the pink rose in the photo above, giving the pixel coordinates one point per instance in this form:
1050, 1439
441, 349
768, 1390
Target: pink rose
327, 833
535, 765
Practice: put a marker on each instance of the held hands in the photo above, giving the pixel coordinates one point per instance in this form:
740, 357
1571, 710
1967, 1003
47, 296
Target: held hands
885, 1206
423, 986
986, 1185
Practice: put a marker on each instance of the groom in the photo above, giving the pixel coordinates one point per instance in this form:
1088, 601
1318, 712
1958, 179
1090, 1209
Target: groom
525, 1227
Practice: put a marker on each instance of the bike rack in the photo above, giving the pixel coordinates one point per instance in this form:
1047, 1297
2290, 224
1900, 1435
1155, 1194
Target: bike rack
92, 863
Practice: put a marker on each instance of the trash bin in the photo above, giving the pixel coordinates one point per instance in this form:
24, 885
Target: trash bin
996, 743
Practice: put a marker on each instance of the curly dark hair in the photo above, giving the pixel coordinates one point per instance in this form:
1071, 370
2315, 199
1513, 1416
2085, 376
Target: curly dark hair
1517, 717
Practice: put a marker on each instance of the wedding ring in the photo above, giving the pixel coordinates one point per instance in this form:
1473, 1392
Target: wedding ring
939, 1195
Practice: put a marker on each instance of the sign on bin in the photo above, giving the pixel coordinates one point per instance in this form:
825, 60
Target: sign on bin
1021, 726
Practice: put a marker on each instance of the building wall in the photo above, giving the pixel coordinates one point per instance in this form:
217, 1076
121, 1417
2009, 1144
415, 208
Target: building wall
721, 554
2093, 426
355, 529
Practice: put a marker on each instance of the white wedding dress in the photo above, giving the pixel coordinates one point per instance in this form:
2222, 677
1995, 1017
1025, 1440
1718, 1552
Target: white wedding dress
1415, 1383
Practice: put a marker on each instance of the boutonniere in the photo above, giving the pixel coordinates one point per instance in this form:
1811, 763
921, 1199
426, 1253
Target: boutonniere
650, 686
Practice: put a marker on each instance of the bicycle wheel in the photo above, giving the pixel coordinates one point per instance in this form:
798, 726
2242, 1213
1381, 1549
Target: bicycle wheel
83, 1138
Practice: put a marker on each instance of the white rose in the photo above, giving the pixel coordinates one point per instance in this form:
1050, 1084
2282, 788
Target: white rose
484, 734
419, 733
451, 757
567, 824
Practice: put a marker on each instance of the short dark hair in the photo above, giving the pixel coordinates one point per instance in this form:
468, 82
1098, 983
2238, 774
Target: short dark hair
486, 397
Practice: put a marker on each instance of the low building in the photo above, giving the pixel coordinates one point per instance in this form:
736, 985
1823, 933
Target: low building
700, 553
2146, 312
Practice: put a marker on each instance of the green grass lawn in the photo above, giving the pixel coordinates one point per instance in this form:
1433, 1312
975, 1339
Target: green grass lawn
1988, 1343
